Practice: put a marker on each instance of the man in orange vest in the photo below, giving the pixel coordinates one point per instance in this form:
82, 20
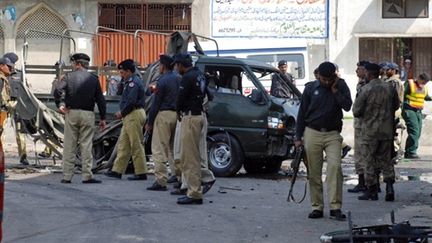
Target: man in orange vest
414, 96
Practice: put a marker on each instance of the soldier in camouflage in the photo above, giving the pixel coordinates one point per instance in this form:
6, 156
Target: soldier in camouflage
375, 105
359, 156
396, 83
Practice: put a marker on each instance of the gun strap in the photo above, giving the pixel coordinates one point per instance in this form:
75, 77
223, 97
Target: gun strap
292, 199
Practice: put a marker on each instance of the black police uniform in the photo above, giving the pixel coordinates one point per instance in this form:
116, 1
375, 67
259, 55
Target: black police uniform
190, 106
81, 90
131, 136
163, 119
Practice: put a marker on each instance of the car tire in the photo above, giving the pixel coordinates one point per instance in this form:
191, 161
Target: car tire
268, 166
225, 155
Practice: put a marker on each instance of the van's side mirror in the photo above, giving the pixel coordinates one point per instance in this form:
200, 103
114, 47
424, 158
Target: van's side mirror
257, 97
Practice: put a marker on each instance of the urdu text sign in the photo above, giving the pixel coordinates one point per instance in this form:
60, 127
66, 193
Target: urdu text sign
269, 18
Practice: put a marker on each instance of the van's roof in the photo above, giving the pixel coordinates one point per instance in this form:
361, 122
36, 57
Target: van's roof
233, 60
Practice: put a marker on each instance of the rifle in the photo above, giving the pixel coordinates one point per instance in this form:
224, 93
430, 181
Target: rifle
295, 165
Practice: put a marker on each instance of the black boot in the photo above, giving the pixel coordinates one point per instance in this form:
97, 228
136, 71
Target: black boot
378, 182
389, 197
370, 194
360, 187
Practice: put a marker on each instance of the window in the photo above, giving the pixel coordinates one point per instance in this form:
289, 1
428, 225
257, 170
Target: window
295, 62
405, 8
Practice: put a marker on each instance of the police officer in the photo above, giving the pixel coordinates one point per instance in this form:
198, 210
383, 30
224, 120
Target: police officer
162, 120
133, 115
207, 176
190, 113
375, 105
358, 154
15, 79
319, 124
80, 90
415, 94
5, 103
279, 87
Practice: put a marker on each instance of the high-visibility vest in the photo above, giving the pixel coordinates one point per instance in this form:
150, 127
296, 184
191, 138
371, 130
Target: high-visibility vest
415, 98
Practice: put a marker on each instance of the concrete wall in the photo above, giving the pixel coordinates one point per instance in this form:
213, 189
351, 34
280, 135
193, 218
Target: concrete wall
201, 17
46, 51
353, 19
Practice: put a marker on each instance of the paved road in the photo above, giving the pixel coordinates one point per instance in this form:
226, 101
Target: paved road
40, 209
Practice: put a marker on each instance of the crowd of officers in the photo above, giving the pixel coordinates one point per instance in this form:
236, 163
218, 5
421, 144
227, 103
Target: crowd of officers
176, 119
381, 101
178, 123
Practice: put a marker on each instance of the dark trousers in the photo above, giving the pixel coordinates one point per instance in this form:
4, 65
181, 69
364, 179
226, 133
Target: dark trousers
413, 120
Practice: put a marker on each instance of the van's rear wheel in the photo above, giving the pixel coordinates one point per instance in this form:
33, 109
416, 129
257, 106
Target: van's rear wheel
225, 155
268, 166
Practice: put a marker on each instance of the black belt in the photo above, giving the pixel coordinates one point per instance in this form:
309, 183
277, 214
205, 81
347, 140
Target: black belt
193, 113
408, 107
167, 110
322, 129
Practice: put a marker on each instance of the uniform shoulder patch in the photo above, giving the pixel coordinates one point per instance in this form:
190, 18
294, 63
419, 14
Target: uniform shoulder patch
131, 84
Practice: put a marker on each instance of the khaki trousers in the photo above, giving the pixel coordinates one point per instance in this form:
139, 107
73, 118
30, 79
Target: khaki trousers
78, 130
162, 143
315, 143
206, 174
190, 158
130, 144
20, 139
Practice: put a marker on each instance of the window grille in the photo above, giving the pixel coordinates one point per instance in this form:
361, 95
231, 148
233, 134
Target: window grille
42, 19
168, 18
156, 17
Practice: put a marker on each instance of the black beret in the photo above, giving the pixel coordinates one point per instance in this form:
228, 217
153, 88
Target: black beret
282, 62
80, 57
6, 61
362, 63
373, 67
166, 60
184, 59
12, 57
327, 69
127, 64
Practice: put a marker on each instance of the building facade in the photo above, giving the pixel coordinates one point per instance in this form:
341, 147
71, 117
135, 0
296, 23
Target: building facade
340, 31
385, 30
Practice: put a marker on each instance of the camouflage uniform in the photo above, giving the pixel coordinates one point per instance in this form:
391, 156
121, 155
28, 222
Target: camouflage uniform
398, 86
359, 156
375, 105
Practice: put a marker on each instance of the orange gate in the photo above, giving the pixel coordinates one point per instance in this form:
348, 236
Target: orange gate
122, 46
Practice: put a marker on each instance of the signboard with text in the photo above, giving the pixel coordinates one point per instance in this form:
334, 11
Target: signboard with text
270, 18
